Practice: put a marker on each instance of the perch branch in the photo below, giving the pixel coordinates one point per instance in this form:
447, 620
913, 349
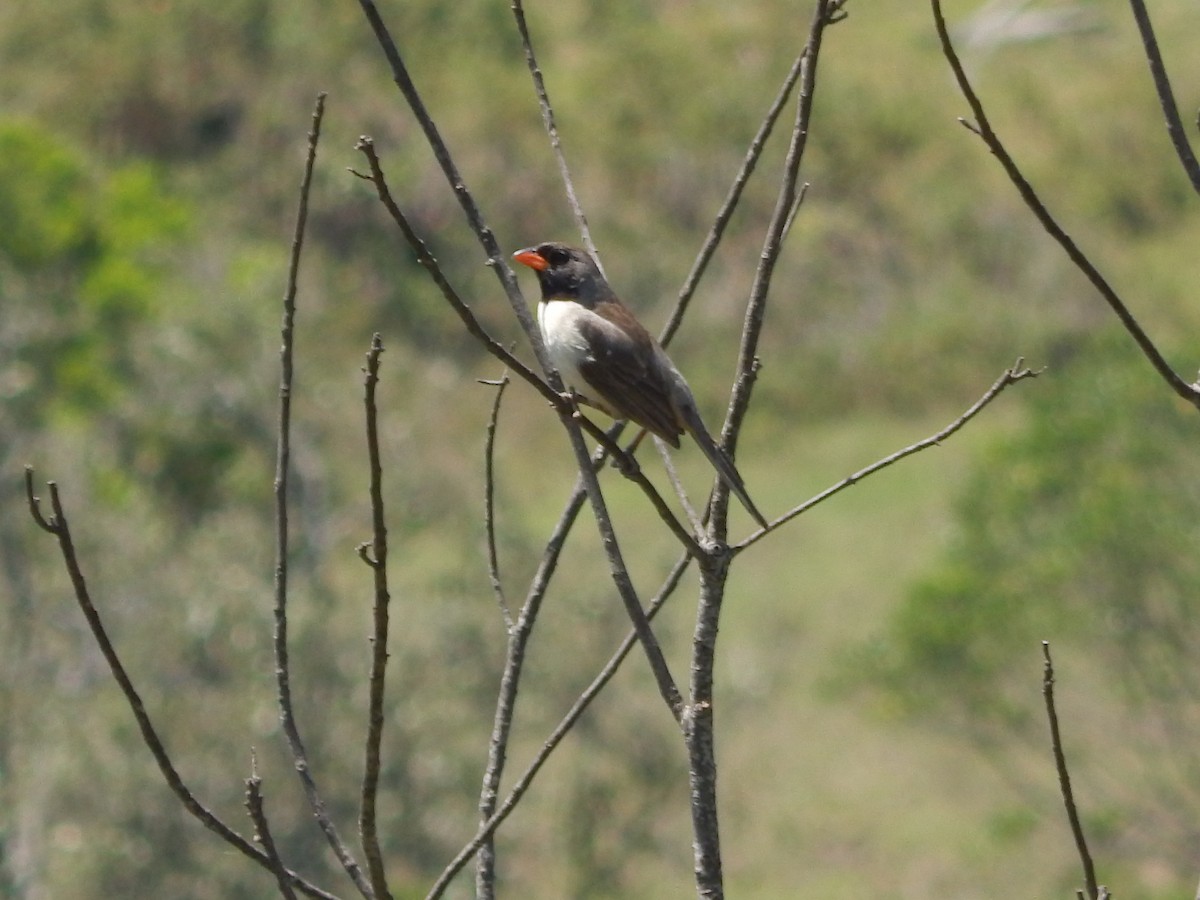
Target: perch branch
555, 395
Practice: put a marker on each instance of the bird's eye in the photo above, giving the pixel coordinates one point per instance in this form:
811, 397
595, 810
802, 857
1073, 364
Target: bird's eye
556, 256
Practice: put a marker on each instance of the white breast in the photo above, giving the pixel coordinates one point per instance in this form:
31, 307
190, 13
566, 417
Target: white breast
559, 322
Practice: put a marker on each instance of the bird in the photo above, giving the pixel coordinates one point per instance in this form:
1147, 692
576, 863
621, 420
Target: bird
611, 362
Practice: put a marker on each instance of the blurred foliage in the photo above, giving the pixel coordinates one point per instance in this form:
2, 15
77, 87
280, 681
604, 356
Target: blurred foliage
149, 158
84, 266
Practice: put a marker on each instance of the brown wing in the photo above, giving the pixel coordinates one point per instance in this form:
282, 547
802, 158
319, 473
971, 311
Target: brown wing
622, 370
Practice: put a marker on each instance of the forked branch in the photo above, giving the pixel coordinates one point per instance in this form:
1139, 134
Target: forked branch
56, 525
287, 714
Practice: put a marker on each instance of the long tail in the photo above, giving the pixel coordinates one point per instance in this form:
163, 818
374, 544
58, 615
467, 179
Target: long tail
720, 461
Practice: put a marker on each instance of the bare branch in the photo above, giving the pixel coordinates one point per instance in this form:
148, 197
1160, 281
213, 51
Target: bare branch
489, 501
1017, 372
57, 525
1166, 98
262, 830
983, 127
673, 476
1064, 778
624, 584
506, 700
287, 713
35, 505
367, 819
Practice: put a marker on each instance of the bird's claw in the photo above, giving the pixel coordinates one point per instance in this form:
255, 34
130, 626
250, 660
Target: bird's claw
626, 465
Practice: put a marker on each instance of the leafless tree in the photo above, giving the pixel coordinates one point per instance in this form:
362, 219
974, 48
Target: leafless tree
705, 544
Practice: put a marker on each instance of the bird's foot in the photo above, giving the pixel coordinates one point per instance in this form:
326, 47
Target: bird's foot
626, 465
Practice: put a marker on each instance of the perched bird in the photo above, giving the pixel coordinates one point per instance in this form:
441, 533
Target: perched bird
611, 362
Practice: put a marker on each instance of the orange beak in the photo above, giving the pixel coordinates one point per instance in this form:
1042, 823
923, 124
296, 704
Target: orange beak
531, 258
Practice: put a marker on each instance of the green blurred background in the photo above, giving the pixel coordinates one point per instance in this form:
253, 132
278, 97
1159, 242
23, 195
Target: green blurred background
880, 714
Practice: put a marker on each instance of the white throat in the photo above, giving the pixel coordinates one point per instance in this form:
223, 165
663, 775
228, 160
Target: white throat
559, 324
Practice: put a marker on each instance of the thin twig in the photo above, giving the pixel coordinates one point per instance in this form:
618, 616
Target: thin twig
539, 86
489, 501
673, 476
1064, 777
56, 525
1017, 372
287, 714
522, 784
983, 128
1166, 98
367, 819
795, 210
262, 831
790, 196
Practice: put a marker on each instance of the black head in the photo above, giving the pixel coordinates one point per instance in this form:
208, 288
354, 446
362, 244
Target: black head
565, 273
